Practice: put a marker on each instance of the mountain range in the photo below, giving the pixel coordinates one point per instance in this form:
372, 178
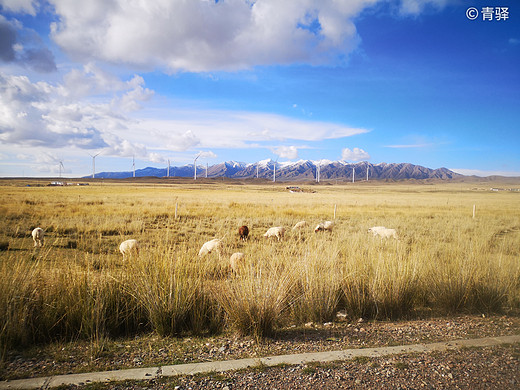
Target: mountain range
302, 170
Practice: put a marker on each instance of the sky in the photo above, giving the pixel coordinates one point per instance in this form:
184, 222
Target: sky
428, 82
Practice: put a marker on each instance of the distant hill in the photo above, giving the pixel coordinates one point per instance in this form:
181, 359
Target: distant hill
302, 170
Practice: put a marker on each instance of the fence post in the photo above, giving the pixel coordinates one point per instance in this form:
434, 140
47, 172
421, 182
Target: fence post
176, 210
474, 211
334, 210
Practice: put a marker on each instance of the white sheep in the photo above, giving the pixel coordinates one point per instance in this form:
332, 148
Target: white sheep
37, 235
237, 261
325, 226
210, 246
129, 247
383, 232
300, 226
277, 231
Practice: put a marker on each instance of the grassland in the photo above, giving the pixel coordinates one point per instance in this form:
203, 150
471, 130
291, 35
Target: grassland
78, 286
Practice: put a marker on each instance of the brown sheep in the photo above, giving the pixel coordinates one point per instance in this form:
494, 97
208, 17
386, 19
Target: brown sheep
243, 232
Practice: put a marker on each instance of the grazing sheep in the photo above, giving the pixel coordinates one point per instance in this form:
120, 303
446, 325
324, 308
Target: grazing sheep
300, 225
383, 232
237, 261
277, 231
243, 232
210, 246
37, 235
129, 247
325, 226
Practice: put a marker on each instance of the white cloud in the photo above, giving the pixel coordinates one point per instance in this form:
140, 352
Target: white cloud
415, 7
232, 129
102, 117
355, 154
207, 35
156, 158
207, 154
289, 152
20, 6
24, 47
45, 115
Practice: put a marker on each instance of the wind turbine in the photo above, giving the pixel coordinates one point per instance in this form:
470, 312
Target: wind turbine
94, 164
195, 166
133, 164
168, 171
367, 170
61, 166
353, 175
318, 169
274, 172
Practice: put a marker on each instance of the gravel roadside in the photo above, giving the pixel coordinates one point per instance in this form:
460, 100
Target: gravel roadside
489, 367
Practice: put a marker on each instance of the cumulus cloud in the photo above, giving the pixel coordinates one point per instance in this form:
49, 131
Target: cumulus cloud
207, 154
7, 40
20, 6
207, 35
355, 154
44, 115
24, 47
288, 152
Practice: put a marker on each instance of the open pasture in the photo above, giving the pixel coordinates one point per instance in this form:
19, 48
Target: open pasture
78, 285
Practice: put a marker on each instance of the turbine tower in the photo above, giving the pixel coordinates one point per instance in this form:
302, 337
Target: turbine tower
94, 164
133, 164
61, 166
168, 171
274, 172
367, 171
206, 170
318, 171
195, 166
353, 175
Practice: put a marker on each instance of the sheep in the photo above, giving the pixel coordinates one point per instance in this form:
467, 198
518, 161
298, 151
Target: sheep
129, 247
243, 232
300, 225
210, 246
277, 231
383, 232
325, 226
236, 261
375, 229
37, 235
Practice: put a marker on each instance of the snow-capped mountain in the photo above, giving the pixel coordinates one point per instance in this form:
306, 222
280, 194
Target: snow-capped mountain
301, 170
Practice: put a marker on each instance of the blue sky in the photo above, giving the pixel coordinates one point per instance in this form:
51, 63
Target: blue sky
378, 80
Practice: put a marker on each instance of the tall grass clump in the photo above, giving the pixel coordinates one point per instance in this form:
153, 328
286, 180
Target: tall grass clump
469, 278
394, 286
172, 290
43, 301
380, 279
18, 293
254, 302
318, 282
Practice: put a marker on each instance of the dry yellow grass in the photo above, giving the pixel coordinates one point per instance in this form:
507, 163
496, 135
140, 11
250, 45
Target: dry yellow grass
79, 286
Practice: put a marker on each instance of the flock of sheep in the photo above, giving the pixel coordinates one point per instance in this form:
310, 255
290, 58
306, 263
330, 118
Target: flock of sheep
130, 247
